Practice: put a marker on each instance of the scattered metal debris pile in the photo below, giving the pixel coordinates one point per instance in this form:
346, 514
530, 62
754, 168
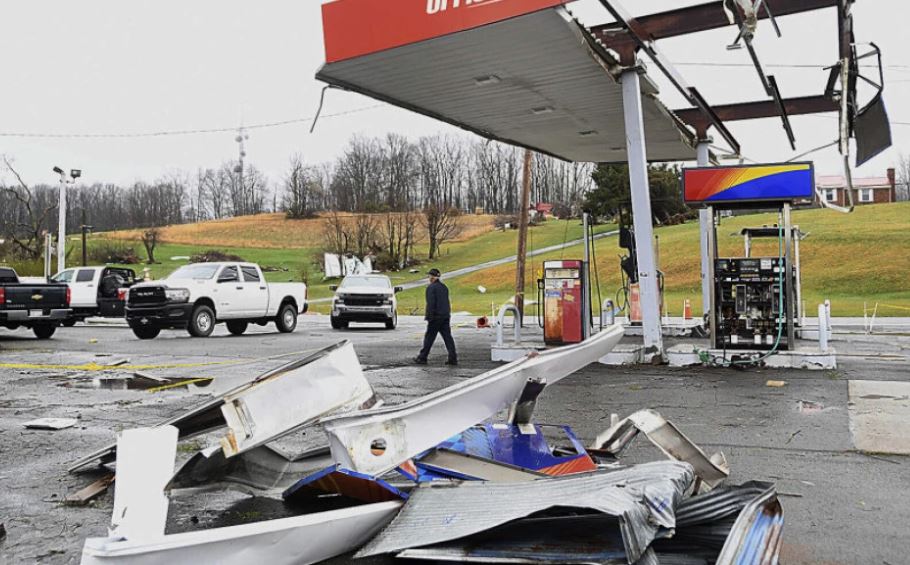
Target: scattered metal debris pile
463, 474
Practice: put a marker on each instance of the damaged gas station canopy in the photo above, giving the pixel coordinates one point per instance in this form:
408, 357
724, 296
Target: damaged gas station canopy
522, 72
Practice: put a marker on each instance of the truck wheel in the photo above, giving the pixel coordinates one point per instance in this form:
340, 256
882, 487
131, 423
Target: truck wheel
392, 323
146, 333
68, 323
338, 324
237, 327
202, 322
44, 331
286, 322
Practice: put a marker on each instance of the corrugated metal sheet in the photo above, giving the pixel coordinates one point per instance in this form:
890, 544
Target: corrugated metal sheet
756, 537
535, 80
642, 498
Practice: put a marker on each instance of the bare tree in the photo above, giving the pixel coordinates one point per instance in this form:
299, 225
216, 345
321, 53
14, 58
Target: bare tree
301, 188
150, 240
399, 233
335, 236
442, 223
903, 178
26, 233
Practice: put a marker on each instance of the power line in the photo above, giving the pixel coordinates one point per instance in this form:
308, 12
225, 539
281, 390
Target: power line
902, 68
181, 132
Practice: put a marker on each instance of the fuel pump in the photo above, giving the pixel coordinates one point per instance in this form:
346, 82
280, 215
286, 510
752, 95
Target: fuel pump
564, 301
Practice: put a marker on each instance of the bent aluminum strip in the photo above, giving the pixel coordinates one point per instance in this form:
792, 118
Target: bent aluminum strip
667, 437
757, 534
289, 541
412, 428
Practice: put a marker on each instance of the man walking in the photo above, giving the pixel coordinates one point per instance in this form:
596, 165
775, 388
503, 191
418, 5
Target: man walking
438, 315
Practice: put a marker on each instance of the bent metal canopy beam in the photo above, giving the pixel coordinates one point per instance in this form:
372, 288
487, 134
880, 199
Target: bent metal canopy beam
523, 72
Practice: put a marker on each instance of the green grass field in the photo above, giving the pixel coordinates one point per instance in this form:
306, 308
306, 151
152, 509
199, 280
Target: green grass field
856, 260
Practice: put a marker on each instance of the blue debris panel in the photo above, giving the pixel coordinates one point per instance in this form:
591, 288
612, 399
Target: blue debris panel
337, 480
507, 444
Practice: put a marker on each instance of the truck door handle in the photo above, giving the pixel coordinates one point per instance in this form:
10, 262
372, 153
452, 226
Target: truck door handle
262, 288
239, 287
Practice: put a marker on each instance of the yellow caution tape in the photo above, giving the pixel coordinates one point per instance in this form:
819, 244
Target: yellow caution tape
893, 306
92, 367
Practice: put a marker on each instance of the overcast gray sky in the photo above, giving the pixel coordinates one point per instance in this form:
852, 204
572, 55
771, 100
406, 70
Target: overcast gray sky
118, 67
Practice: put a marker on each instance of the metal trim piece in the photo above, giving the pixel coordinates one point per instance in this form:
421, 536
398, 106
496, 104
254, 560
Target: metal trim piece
667, 437
414, 427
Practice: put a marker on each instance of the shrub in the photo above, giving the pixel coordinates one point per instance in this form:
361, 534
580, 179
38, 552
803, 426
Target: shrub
215, 256
109, 251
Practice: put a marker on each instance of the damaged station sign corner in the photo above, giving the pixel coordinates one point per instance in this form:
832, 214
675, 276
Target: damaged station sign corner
454, 485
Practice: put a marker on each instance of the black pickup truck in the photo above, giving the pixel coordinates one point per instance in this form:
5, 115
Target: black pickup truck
39, 307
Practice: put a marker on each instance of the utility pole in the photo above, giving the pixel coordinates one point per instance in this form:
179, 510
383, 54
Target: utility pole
85, 230
523, 234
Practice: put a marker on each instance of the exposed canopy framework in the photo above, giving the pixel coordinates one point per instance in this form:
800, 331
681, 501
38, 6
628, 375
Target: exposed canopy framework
537, 80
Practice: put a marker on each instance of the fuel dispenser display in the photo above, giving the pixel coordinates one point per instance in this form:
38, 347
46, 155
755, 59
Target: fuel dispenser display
564, 301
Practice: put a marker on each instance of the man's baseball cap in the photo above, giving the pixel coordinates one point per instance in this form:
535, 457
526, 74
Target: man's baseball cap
434, 273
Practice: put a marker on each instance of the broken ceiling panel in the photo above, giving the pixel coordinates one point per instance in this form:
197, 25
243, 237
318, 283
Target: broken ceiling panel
537, 80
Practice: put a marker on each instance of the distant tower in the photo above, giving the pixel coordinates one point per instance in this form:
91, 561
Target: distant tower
240, 139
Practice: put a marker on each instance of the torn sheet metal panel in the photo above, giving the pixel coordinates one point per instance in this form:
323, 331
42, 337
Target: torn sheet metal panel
289, 541
330, 381
757, 535
208, 417
146, 463
264, 468
335, 480
537, 80
576, 540
642, 498
667, 437
409, 429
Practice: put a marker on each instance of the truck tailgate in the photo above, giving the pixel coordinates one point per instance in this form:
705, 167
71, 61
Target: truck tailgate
35, 297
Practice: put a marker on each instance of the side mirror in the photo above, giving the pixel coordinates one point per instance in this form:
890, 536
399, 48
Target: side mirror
333, 287
399, 289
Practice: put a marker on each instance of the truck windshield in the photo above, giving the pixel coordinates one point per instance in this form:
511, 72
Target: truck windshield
196, 272
361, 282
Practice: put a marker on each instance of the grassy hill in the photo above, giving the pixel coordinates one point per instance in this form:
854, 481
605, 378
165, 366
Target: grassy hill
855, 260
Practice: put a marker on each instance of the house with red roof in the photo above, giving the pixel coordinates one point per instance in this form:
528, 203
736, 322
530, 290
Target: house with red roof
868, 190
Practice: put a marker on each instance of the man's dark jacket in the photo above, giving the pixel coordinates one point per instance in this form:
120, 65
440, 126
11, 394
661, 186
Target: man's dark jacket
438, 307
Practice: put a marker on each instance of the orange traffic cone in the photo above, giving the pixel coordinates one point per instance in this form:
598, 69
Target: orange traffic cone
687, 310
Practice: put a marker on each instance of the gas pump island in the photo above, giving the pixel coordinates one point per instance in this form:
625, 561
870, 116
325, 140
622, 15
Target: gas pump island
753, 300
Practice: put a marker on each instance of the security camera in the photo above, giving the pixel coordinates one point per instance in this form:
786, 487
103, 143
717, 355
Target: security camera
75, 173
58, 170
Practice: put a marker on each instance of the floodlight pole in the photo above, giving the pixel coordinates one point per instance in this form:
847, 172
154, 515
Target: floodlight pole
641, 210
61, 225
704, 221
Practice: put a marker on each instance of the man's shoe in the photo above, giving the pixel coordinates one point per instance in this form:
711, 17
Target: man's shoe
452, 362
419, 361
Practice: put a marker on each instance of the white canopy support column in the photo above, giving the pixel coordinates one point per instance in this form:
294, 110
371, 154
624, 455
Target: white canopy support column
704, 221
641, 210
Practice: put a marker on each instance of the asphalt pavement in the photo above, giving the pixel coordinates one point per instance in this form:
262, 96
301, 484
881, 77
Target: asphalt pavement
842, 506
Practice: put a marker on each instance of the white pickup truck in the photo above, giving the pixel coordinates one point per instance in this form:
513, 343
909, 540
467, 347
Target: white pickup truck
96, 291
195, 297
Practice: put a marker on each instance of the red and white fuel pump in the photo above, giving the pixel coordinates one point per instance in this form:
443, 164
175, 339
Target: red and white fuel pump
565, 301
